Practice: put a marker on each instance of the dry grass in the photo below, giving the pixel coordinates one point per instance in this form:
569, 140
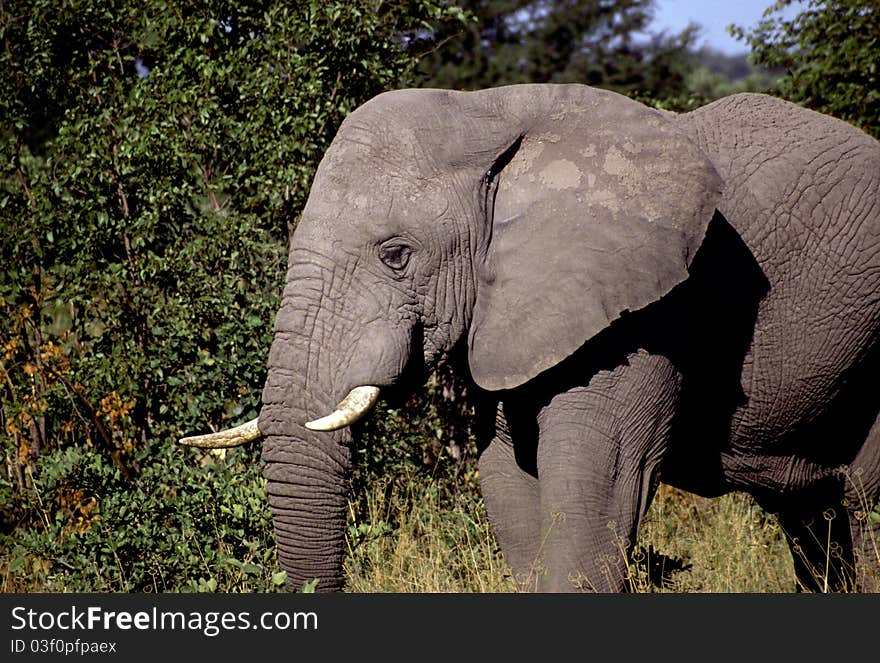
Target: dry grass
416, 542
412, 540
726, 544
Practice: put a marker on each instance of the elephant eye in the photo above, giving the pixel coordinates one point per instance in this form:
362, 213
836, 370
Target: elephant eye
395, 255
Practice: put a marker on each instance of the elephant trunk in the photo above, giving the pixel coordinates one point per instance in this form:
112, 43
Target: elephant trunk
307, 486
307, 476
320, 355
307, 471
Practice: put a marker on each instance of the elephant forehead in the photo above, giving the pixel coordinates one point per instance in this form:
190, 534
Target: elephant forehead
371, 205
361, 180
363, 167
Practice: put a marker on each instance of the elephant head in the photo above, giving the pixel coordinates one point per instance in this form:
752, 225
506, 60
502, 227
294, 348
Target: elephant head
521, 220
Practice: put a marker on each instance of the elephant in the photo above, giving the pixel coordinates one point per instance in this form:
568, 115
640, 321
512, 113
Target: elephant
636, 295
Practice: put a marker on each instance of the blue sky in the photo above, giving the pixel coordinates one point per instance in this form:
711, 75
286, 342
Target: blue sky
714, 16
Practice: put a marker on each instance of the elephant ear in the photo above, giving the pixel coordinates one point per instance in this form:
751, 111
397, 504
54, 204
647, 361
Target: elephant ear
598, 209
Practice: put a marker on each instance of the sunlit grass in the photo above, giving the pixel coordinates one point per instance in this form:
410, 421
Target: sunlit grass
412, 539
415, 539
724, 544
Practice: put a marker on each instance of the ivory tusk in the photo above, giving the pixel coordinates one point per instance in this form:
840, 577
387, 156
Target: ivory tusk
353, 407
232, 437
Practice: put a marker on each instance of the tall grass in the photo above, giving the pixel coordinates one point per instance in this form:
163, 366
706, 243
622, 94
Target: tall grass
412, 538
416, 538
726, 544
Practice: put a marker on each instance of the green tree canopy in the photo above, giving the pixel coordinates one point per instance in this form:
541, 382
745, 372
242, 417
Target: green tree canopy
830, 53
596, 42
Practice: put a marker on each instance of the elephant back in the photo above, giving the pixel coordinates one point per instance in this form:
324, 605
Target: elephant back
801, 189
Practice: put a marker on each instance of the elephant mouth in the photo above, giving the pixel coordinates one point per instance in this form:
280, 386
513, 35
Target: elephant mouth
393, 384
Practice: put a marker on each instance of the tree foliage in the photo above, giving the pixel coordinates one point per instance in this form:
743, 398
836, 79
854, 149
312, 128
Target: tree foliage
152, 157
596, 42
717, 75
830, 53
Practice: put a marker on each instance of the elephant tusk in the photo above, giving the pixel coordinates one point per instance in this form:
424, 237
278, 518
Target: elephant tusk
232, 437
353, 407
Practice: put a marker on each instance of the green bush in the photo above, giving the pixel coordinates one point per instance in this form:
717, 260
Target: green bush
190, 522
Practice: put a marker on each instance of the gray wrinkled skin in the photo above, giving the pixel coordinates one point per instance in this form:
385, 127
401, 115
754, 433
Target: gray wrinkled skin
638, 296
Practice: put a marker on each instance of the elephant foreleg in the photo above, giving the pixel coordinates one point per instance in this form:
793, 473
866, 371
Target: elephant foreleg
598, 452
510, 491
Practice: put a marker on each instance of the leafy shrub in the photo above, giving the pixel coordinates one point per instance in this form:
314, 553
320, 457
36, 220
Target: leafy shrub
191, 522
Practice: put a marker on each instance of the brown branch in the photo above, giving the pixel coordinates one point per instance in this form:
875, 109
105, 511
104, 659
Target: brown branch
118, 56
38, 424
122, 197
36, 434
114, 160
27, 191
19, 172
14, 466
126, 240
207, 168
114, 452
438, 45
332, 97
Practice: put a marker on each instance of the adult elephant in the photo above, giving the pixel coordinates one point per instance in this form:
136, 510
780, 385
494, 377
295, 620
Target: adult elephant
642, 296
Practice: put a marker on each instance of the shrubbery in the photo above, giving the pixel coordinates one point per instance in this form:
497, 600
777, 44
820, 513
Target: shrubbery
180, 526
